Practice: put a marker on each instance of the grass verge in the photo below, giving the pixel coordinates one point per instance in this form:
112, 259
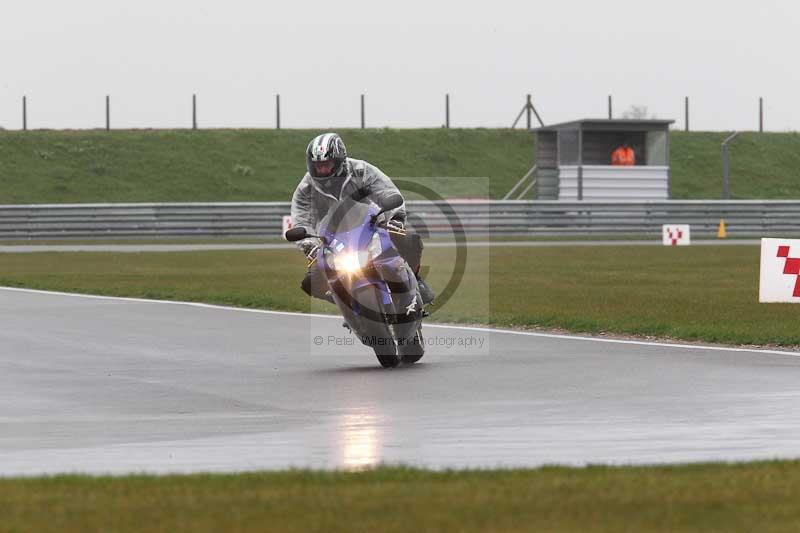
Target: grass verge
265, 165
690, 293
238, 165
763, 165
711, 497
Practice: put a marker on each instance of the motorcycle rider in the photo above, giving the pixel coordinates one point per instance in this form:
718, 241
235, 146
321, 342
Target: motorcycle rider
331, 177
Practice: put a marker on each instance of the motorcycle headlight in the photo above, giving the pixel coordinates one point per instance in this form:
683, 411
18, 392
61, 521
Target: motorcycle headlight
347, 262
375, 248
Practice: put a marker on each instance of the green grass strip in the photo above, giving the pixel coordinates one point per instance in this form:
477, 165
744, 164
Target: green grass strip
688, 293
710, 497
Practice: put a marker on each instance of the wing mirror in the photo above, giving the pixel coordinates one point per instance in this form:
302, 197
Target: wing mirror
296, 234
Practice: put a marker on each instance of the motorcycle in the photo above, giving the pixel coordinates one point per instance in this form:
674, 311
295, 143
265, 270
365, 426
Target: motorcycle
371, 284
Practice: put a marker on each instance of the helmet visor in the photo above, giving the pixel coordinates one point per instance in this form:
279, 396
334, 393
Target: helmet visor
324, 169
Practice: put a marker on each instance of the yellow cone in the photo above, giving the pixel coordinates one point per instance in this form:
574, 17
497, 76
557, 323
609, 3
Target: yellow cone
721, 232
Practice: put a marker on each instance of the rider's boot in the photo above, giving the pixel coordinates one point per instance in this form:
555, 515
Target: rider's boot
314, 289
425, 291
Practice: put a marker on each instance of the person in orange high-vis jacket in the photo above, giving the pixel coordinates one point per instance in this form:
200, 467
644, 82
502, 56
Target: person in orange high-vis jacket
623, 156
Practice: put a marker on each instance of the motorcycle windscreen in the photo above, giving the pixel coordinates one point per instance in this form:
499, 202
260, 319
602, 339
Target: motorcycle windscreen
347, 216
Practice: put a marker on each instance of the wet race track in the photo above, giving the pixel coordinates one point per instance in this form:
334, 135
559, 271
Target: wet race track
110, 385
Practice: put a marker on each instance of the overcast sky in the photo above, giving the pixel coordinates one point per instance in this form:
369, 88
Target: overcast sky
151, 55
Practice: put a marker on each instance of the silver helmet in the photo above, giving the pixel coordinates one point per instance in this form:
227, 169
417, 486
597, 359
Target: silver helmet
326, 156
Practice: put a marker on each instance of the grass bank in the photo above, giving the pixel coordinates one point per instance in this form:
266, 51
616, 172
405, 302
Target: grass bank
745, 497
236, 165
265, 165
763, 165
690, 293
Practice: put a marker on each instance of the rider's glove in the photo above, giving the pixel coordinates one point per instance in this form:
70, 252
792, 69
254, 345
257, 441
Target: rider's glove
312, 254
309, 247
395, 225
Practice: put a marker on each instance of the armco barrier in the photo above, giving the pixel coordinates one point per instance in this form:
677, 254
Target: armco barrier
744, 218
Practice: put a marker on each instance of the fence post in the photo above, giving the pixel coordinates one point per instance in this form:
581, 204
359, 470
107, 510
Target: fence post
277, 111
761, 115
194, 111
24, 113
686, 112
528, 108
447, 111
362, 112
108, 113
610, 108
580, 164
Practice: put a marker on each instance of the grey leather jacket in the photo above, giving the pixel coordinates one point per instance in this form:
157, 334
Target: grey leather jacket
313, 199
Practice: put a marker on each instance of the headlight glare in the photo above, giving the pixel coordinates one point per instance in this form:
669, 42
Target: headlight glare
347, 262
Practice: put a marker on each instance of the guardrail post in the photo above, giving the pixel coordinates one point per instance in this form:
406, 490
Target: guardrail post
108, 113
24, 113
277, 111
194, 111
761, 115
447, 111
362, 112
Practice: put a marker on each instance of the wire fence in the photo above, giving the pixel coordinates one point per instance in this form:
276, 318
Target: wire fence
529, 111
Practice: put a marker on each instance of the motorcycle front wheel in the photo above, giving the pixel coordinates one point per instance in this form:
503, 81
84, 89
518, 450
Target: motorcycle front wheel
414, 351
376, 334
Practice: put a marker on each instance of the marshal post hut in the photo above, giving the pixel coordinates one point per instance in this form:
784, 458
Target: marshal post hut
574, 160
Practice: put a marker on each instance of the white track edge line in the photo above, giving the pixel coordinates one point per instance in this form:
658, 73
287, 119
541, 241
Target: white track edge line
440, 326
168, 302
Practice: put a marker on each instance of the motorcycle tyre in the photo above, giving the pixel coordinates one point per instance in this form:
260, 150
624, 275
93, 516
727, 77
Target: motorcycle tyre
413, 352
386, 351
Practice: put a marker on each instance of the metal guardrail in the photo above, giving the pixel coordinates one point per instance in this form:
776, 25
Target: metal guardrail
744, 218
